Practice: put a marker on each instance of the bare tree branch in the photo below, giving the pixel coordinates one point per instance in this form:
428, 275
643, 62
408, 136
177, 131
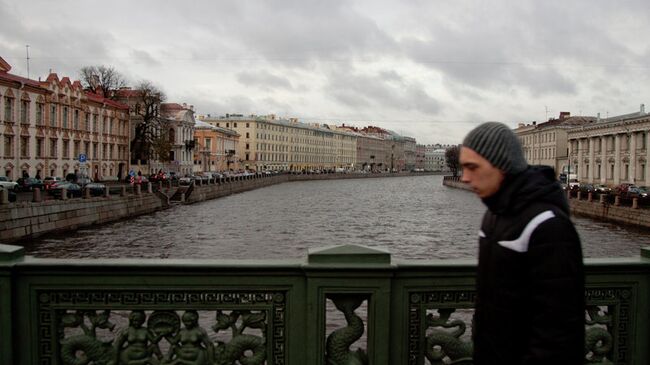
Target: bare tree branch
102, 79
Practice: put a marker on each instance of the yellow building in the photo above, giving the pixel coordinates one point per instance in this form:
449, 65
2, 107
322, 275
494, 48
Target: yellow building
268, 143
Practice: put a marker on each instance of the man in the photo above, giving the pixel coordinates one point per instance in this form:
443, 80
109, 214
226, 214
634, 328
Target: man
530, 280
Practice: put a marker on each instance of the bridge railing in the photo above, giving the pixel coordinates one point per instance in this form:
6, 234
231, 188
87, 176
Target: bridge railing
342, 305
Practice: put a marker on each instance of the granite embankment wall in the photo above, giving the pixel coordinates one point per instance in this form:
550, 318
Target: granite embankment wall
29, 219
593, 209
237, 185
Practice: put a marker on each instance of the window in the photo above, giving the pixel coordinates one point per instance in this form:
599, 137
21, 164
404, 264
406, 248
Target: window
24, 112
95, 123
208, 143
95, 150
76, 149
9, 140
24, 146
65, 117
247, 126
9, 109
247, 147
110, 151
39, 114
248, 135
87, 148
52, 115
53, 147
66, 149
39, 147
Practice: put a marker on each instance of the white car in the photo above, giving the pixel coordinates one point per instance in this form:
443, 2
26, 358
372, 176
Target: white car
6, 183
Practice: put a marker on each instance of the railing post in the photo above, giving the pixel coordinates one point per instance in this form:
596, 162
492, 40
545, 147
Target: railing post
8, 256
37, 195
345, 279
4, 196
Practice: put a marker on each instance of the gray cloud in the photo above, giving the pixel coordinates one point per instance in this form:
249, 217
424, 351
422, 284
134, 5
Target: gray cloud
264, 80
371, 91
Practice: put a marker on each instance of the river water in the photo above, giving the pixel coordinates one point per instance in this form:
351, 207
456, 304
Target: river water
413, 217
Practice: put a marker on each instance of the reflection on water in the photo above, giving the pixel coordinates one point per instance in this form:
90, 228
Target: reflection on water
414, 217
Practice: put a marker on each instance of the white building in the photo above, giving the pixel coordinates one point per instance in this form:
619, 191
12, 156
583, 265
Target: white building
612, 151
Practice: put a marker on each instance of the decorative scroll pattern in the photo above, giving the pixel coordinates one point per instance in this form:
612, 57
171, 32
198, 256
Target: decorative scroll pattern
436, 338
608, 323
439, 344
163, 327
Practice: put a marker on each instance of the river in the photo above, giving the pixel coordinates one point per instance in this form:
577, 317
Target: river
413, 217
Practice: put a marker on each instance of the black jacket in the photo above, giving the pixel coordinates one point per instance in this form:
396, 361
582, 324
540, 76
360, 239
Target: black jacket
530, 279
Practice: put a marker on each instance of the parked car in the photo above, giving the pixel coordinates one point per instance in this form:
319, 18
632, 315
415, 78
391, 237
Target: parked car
137, 179
83, 181
73, 190
186, 180
623, 188
6, 183
602, 189
586, 188
29, 183
11, 193
50, 180
637, 192
96, 189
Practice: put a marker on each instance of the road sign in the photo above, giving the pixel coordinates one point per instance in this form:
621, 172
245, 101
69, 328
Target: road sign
82, 157
131, 173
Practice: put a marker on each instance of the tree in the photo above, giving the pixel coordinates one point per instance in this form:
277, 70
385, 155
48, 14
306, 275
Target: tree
150, 139
451, 157
102, 79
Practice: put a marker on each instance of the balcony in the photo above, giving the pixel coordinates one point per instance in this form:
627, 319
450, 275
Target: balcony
283, 312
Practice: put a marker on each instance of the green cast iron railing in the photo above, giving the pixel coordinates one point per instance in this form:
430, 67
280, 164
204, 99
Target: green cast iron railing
342, 305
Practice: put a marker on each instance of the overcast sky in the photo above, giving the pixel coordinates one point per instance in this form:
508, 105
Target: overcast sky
429, 69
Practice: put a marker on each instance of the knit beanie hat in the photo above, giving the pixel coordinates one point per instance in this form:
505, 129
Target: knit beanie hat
499, 145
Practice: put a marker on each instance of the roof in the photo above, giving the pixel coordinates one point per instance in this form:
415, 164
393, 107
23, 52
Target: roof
203, 125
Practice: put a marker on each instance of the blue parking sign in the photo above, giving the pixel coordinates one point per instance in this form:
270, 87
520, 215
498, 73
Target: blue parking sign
82, 157
131, 173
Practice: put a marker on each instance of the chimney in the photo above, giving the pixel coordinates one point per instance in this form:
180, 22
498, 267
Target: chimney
534, 123
642, 109
598, 117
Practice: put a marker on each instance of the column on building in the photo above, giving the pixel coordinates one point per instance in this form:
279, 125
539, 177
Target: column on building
617, 159
632, 145
603, 159
592, 159
647, 158
580, 167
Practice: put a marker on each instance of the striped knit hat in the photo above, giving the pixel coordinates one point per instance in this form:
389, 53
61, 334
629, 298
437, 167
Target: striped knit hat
499, 145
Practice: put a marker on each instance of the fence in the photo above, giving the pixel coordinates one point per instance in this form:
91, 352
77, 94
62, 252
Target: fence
341, 305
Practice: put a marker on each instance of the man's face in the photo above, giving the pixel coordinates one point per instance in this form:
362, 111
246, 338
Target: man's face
479, 173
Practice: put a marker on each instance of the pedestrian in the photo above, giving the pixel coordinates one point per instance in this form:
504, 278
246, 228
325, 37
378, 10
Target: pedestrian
530, 280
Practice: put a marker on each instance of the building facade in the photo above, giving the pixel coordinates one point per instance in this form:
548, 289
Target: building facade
269, 143
177, 125
546, 143
612, 151
48, 126
215, 148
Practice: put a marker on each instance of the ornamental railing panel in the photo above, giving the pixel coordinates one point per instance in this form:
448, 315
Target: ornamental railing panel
343, 305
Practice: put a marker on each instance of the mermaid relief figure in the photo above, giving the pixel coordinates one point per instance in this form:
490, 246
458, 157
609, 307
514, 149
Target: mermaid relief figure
191, 346
137, 345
